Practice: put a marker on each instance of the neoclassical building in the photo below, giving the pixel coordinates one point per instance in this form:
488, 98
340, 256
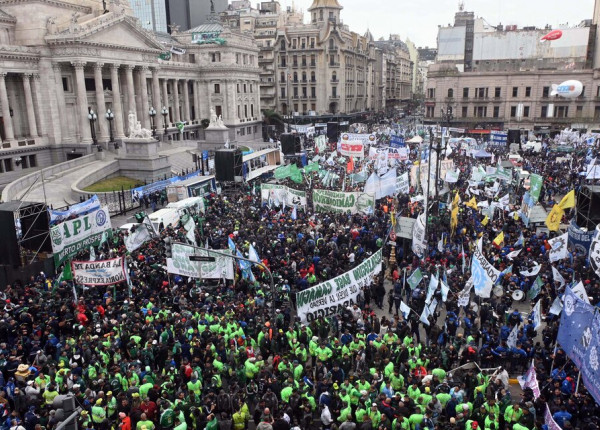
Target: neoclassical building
62, 59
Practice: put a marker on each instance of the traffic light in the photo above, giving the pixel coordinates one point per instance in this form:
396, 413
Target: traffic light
168, 247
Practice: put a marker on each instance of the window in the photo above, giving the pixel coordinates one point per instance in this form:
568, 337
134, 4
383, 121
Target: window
295, 91
218, 110
546, 92
24, 162
465, 93
217, 88
544, 111
579, 112
312, 77
251, 90
313, 92
65, 82
282, 92
8, 167
561, 112
431, 93
215, 57
496, 111
281, 79
331, 44
596, 112
237, 86
450, 93
497, 91
464, 111
239, 111
582, 91
295, 77
334, 77
244, 88
513, 111
303, 76
334, 91
515, 91
33, 161
304, 92
527, 91
252, 110
526, 111
481, 93
245, 111
597, 91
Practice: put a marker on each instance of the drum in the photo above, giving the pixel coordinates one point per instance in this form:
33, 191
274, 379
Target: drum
498, 291
518, 295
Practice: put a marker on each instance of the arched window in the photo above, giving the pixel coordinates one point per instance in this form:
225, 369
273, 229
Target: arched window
450, 92
303, 76
312, 77
334, 77
331, 43
295, 76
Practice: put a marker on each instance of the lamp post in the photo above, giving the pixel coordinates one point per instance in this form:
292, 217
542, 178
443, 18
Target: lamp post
110, 116
164, 113
92, 117
152, 113
447, 117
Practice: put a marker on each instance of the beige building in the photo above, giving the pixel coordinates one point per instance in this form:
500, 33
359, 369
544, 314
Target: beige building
396, 68
501, 77
63, 58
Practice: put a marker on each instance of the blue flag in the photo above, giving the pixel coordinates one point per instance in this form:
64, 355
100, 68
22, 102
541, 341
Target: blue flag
575, 330
591, 363
231, 244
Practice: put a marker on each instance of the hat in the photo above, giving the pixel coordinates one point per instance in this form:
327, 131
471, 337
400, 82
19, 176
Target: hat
427, 390
99, 401
84, 413
474, 425
336, 386
374, 404
109, 393
29, 382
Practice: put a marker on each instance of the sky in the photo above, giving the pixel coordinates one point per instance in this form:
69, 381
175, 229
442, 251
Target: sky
419, 19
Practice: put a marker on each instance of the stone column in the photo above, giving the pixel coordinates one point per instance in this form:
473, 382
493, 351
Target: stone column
29, 105
82, 103
197, 115
130, 89
165, 96
176, 116
156, 91
117, 106
101, 123
36, 90
144, 90
61, 127
6, 118
186, 99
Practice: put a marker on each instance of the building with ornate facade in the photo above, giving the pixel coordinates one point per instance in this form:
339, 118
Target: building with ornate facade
501, 77
62, 59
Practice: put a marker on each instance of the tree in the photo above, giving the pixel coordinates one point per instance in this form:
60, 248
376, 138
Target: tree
271, 117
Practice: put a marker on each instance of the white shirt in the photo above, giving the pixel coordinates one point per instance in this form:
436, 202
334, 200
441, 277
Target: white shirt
326, 416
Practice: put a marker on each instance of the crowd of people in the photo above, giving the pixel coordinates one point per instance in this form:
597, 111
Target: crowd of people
172, 352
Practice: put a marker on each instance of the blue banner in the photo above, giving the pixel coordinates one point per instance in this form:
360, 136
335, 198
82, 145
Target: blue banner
591, 364
580, 239
498, 138
138, 192
82, 208
397, 141
575, 330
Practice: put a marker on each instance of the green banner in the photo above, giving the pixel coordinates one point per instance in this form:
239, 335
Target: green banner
535, 183
337, 201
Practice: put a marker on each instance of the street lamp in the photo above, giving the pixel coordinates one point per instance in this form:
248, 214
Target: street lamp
152, 113
164, 113
93, 117
110, 116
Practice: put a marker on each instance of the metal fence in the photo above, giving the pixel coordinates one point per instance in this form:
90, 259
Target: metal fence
118, 202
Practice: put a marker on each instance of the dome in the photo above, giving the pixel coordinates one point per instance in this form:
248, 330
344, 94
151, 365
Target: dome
331, 4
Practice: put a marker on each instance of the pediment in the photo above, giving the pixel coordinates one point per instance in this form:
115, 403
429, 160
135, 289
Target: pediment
124, 35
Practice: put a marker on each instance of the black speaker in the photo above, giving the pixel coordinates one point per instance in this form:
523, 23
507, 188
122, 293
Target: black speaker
228, 164
8, 235
34, 226
288, 145
588, 207
332, 131
514, 136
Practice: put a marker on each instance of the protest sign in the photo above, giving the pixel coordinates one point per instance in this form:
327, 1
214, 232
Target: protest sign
337, 201
82, 208
180, 263
332, 297
75, 235
279, 194
103, 272
402, 185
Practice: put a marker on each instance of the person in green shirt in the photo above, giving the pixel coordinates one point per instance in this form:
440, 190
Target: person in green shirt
415, 420
212, 423
49, 394
513, 414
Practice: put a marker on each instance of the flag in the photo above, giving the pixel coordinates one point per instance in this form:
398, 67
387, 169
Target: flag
66, 274
465, 295
253, 255
558, 248
513, 254
499, 240
415, 279
150, 227
485, 221
230, 244
511, 342
568, 201
350, 165
472, 203
456, 200
92, 254
579, 291
433, 284
445, 290
424, 315
454, 219
180, 126
137, 238
554, 218
535, 288
294, 213
537, 314
558, 277
533, 271
556, 307
520, 241
103, 238
464, 263
404, 309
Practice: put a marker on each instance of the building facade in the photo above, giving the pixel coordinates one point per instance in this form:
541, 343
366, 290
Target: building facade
86, 59
187, 14
501, 77
151, 13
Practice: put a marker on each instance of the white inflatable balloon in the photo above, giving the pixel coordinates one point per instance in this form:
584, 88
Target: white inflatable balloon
568, 89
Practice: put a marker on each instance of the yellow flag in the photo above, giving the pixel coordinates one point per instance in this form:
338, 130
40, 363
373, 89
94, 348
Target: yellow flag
456, 200
516, 216
454, 219
554, 218
485, 221
472, 203
568, 201
499, 239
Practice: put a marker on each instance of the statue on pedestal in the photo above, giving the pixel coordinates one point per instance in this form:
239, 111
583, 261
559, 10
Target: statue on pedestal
220, 122
135, 128
213, 118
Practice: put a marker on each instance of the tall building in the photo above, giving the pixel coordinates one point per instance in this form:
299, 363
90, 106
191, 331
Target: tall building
494, 77
396, 73
151, 13
187, 14
84, 58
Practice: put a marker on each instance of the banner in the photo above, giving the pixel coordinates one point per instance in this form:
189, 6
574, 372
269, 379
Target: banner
575, 330
397, 141
452, 176
400, 154
527, 205
363, 139
595, 252
498, 138
180, 263
337, 201
535, 188
75, 235
402, 185
419, 242
332, 297
579, 239
591, 363
381, 186
104, 272
484, 274
279, 194
78, 209
550, 423
558, 250
137, 238
137, 193
415, 279
529, 380
354, 149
